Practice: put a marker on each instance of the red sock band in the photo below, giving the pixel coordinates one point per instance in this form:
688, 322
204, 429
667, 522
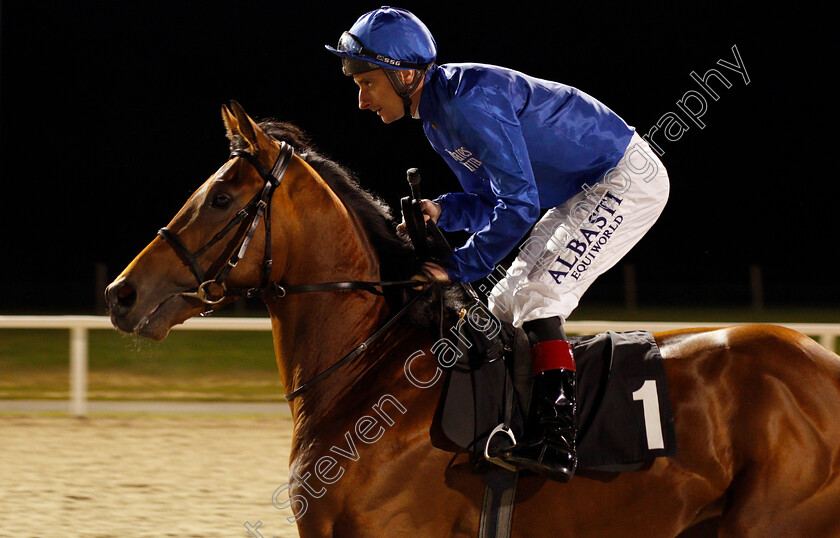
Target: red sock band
552, 355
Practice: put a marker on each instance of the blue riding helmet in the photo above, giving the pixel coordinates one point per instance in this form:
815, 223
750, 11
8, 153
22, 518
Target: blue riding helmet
389, 38
392, 39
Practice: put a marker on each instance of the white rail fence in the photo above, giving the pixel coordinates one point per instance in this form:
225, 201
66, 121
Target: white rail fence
824, 333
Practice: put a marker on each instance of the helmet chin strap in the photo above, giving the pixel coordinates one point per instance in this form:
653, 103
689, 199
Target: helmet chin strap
405, 91
407, 107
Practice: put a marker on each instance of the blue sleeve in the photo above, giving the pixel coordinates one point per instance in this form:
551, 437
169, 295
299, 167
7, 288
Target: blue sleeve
488, 123
464, 211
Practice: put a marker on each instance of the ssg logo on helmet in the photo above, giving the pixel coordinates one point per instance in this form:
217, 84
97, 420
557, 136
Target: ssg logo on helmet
388, 60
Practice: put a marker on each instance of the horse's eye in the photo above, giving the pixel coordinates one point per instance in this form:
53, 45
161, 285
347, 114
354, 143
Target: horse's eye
220, 200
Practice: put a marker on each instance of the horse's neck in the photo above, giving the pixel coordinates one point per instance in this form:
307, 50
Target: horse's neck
314, 330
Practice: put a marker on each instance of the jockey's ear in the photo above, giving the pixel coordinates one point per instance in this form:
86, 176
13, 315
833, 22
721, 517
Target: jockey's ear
407, 76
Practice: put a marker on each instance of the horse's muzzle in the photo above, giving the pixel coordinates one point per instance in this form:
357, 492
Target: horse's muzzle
121, 298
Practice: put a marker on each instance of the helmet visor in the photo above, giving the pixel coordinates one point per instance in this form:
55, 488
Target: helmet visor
352, 45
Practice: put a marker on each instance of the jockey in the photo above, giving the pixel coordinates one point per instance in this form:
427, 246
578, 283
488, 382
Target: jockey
518, 145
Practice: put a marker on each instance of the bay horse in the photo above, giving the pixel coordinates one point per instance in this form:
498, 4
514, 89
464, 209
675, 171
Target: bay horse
755, 406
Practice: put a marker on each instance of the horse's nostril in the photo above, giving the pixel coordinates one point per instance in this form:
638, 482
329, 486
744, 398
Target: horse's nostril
126, 296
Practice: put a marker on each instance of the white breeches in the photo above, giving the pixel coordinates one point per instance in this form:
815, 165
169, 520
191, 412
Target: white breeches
582, 238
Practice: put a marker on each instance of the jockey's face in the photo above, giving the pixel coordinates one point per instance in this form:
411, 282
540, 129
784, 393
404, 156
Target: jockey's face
376, 93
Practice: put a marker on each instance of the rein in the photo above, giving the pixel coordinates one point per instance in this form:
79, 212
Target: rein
361, 348
260, 206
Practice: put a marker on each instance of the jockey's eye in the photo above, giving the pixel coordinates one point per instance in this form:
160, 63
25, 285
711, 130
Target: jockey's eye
220, 200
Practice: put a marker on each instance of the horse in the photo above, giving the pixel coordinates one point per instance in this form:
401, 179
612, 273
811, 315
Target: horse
754, 406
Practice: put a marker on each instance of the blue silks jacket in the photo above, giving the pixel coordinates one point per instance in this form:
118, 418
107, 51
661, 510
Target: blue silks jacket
517, 144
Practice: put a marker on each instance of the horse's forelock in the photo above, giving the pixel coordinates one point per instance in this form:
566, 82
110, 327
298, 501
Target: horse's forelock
238, 143
289, 133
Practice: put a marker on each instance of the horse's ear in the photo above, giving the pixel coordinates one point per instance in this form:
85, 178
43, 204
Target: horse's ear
247, 127
231, 125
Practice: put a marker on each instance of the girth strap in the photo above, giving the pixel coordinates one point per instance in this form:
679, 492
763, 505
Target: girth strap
497, 509
500, 483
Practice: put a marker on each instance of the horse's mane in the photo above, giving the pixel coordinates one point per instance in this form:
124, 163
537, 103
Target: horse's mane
397, 259
395, 253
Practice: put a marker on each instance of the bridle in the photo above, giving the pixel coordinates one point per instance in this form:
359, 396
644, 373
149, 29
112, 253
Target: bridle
260, 206
213, 290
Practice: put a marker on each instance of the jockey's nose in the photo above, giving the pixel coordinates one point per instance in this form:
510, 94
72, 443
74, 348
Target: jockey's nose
364, 100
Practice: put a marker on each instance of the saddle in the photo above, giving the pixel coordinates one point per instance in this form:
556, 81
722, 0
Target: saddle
624, 417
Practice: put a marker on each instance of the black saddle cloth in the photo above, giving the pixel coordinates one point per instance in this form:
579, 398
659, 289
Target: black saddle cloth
624, 415
624, 406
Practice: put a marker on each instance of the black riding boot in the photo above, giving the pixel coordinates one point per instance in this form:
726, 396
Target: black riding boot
550, 447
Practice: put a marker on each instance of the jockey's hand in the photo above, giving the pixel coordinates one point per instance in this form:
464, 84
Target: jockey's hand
431, 210
431, 272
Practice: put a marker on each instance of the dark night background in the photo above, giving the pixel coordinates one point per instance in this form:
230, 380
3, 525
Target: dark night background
111, 117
